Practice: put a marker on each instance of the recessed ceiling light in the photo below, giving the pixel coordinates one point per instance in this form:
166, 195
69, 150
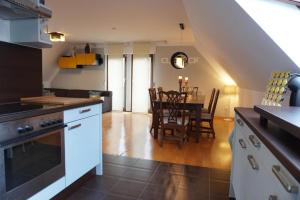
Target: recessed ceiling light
57, 37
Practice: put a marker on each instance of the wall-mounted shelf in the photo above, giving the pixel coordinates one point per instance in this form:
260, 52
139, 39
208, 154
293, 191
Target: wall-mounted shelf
80, 60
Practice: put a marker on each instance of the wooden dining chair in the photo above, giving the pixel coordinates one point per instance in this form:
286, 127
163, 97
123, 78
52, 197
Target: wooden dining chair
174, 125
153, 97
212, 96
209, 117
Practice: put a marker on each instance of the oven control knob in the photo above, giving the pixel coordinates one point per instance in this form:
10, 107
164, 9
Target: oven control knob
28, 128
21, 130
43, 124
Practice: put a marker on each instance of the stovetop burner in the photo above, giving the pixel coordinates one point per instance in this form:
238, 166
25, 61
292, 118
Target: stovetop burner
17, 107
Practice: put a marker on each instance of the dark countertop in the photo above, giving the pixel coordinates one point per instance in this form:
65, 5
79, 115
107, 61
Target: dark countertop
284, 146
47, 110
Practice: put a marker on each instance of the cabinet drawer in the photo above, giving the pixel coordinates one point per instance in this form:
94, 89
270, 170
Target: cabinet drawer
81, 113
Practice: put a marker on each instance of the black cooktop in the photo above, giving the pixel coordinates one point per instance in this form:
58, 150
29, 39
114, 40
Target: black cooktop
18, 107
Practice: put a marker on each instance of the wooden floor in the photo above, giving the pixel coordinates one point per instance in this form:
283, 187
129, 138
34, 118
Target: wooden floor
128, 134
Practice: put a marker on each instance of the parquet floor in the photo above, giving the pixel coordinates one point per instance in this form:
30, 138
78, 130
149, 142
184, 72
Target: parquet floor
127, 134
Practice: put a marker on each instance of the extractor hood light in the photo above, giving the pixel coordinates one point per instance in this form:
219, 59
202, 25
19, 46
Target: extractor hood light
57, 37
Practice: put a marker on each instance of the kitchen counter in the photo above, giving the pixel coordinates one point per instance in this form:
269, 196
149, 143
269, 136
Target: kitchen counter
284, 146
56, 104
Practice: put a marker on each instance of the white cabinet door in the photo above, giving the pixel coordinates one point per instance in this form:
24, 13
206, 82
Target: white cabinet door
82, 147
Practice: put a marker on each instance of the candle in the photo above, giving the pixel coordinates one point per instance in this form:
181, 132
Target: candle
179, 77
186, 79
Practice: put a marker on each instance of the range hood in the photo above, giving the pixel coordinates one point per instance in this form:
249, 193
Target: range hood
23, 9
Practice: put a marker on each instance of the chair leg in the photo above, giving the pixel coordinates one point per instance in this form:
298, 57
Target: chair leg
211, 123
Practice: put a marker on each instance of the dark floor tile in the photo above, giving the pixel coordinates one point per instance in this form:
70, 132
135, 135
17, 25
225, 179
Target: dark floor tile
83, 194
200, 172
158, 192
117, 197
219, 188
165, 178
107, 158
122, 160
113, 170
192, 184
220, 175
146, 164
221, 198
128, 188
183, 194
138, 174
177, 169
101, 183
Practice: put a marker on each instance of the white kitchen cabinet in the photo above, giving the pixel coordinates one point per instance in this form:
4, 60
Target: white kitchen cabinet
82, 147
254, 178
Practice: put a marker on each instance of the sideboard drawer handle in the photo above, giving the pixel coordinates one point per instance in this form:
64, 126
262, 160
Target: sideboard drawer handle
240, 122
74, 127
252, 162
254, 141
242, 143
289, 187
273, 197
84, 111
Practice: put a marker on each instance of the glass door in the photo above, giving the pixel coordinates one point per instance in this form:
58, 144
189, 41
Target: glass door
115, 81
141, 82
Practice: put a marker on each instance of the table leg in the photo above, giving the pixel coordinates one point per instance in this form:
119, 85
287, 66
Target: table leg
198, 123
155, 123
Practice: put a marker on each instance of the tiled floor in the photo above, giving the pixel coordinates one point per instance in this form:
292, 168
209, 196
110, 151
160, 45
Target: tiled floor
130, 178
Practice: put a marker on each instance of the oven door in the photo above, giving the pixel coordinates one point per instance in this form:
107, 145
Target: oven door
31, 163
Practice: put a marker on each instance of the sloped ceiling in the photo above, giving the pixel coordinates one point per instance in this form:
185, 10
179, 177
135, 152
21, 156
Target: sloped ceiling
228, 37
101, 21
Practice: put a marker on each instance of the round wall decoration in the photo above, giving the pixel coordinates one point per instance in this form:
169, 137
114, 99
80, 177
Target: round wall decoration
179, 60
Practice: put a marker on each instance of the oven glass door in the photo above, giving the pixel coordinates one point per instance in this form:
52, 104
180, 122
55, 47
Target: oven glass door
30, 159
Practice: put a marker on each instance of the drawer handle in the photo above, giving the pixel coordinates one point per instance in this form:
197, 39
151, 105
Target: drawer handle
84, 111
242, 143
273, 197
240, 122
254, 141
252, 162
289, 187
74, 127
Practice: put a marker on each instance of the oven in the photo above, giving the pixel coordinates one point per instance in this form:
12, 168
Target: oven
31, 155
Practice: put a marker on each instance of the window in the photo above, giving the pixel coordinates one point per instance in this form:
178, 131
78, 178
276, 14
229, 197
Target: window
279, 20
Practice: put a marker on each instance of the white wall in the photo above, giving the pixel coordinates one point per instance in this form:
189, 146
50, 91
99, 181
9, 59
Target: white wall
200, 74
88, 78
4, 30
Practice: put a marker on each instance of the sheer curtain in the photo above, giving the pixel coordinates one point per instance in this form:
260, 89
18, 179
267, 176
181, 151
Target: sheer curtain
115, 72
141, 81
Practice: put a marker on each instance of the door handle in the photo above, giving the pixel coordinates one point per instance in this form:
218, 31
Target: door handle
254, 141
84, 111
252, 162
284, 180
74, 127
242, 143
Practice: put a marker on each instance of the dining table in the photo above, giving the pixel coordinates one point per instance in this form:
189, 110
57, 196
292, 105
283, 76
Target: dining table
193, 104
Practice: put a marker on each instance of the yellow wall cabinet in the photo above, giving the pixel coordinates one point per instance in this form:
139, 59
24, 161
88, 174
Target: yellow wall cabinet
80, 60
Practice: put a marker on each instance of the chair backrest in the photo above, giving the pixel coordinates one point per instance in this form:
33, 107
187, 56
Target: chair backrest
212, 96
195, 91
159, 89
214, 106
153, 96
174, 103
